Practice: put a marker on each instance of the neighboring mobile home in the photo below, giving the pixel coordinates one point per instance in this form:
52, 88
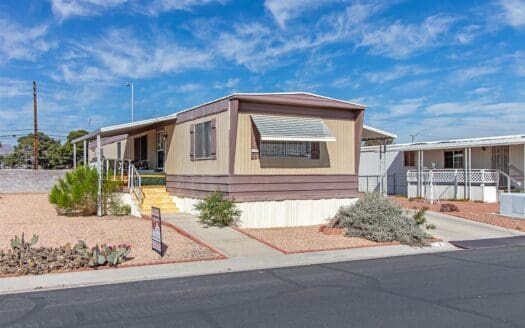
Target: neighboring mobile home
472, 169
285, 158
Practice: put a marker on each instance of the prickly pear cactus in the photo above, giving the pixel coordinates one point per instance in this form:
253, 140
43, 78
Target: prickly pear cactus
22, 258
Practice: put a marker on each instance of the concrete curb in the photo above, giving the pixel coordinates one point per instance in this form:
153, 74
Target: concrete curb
164, 271
481, 224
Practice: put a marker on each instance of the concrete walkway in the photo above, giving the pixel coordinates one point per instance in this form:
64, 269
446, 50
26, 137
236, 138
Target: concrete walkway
163, 271
227, 240
455, 228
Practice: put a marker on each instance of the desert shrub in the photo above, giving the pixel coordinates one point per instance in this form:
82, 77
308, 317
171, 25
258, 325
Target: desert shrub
23, 258
421, 220
119, 209
76, 193
217, 210
448, 207
376, 218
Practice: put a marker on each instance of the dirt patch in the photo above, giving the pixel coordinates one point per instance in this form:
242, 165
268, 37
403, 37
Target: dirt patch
306, 239
480, 212
32, 214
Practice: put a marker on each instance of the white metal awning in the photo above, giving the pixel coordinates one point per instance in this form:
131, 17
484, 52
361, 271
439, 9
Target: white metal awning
286, 128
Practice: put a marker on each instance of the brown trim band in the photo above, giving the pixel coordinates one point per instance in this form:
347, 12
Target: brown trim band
265, 187
276, 109
206, 110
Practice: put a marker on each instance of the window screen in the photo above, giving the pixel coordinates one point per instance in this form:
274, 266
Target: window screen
291, 149
203, 140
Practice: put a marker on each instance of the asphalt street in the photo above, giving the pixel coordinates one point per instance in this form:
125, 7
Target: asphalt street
474, 288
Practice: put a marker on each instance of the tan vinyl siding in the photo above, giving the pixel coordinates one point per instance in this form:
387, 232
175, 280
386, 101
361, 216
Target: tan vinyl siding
335, 157
109, 151
179, 162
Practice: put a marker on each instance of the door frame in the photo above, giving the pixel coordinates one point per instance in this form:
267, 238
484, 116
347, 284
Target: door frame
163, 150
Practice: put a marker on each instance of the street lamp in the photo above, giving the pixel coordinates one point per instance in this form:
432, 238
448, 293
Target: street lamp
131, 86
413, 136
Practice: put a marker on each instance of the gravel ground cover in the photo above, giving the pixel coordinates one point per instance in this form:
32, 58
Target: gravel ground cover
480, 212
32, 214
306, 239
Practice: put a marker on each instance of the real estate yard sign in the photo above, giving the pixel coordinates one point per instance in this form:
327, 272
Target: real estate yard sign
156, 232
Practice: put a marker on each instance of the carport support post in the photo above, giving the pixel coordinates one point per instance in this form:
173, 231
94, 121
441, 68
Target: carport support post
385, 173
465, 169
380, 169
99, 169
85, 153
74, 155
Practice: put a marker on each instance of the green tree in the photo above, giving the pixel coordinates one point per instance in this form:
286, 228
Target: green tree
67, 147
48, 151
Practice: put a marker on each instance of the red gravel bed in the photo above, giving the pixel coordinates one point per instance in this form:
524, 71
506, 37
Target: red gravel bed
306, 239
32, 214
480, 212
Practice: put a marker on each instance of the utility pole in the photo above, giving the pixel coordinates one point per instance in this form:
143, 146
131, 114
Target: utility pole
35, 132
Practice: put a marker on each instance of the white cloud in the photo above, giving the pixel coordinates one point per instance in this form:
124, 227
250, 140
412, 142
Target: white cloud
22, 43
396, 73
158, 6
405, 107
470, 73
398, 40
283, 11
345, 82
65, 9
228, 84
120, 54
10, 88
257, 47
513, 12
477, 107
468, 34
190, 87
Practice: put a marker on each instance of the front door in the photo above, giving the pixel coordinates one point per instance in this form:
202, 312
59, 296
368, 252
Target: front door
500, 160
161, 145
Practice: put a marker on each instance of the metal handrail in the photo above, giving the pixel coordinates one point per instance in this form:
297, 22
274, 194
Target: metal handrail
135, 182
510, 180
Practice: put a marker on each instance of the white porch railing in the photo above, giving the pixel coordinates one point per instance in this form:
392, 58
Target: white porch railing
457, 176
452, 176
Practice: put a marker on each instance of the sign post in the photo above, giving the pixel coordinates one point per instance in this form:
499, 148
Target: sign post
156, 232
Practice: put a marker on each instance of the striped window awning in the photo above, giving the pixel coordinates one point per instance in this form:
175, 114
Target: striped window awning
286, 128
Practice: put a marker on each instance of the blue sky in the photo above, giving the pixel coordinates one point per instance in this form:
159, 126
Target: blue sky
454, 67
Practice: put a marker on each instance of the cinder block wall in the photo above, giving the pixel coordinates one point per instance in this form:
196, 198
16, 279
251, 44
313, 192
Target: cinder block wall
29, 181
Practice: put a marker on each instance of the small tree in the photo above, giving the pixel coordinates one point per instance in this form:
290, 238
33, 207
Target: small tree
76, 194
218, 211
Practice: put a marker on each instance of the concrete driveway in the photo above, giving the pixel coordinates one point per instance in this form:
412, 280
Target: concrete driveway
455, 228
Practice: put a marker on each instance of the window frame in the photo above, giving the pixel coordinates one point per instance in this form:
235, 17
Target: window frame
208, 139
286, 155
411, 159
455, 154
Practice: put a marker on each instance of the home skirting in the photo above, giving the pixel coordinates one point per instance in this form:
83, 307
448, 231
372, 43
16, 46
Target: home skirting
286, 213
